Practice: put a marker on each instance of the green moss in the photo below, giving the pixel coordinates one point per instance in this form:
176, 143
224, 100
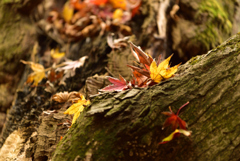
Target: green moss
194, 60
218, 25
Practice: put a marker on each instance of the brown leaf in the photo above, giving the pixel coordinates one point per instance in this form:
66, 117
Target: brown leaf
140, 55
117, 43
67, 97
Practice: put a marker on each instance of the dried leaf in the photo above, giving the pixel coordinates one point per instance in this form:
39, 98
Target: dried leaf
37, 75
140, 55
174, 119
116, 43
67, 97
143, 71
53, 76
175, 134
141, 79
67, 12
162, 71
70, 66
77, 108
117, 85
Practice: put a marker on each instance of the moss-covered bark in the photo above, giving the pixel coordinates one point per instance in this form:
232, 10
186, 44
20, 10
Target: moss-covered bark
127, 125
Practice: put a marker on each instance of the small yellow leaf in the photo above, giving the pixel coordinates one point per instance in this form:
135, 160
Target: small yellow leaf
55, 54
175, 134
171, 136
37, 75
77, 108
67, 12
117, 14
162, 71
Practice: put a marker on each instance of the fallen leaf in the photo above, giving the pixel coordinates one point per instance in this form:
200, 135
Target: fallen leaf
174, 119
55, 54
162, 71
141, 79
140, 55
67, 12
143, 71
98, 2
117, 85
62, 97
175, 134
77, 108
70, 66
37, 75
78, 5
53, 76
117, 14
117, 43
118, 4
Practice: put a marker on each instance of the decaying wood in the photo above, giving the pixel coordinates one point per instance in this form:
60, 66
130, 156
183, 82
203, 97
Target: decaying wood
127, 125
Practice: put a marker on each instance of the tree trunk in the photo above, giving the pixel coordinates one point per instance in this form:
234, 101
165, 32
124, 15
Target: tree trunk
127, 125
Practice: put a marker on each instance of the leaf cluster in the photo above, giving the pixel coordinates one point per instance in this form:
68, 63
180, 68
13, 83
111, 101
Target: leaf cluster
147, 72
81, 19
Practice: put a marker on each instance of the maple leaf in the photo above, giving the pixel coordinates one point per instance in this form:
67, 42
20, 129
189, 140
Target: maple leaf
162, 71
141, 79
77, 108
37, 75
143, 71
70, 66
117, 85
174, 119
140, 55
175, 134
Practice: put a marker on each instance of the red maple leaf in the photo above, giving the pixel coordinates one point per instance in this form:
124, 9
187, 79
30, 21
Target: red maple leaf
174, 119
117, 85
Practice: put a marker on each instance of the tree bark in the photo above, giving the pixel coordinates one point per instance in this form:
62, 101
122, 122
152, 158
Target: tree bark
127, 125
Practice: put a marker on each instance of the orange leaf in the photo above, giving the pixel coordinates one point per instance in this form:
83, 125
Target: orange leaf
118, 4
98, 2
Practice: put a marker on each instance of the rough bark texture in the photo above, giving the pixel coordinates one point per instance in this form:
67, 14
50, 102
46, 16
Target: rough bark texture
127, 125
16, 37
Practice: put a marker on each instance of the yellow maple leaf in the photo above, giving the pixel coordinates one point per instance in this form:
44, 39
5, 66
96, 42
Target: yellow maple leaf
56, 54
77, 108
162, 71
67, 12
37, 75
